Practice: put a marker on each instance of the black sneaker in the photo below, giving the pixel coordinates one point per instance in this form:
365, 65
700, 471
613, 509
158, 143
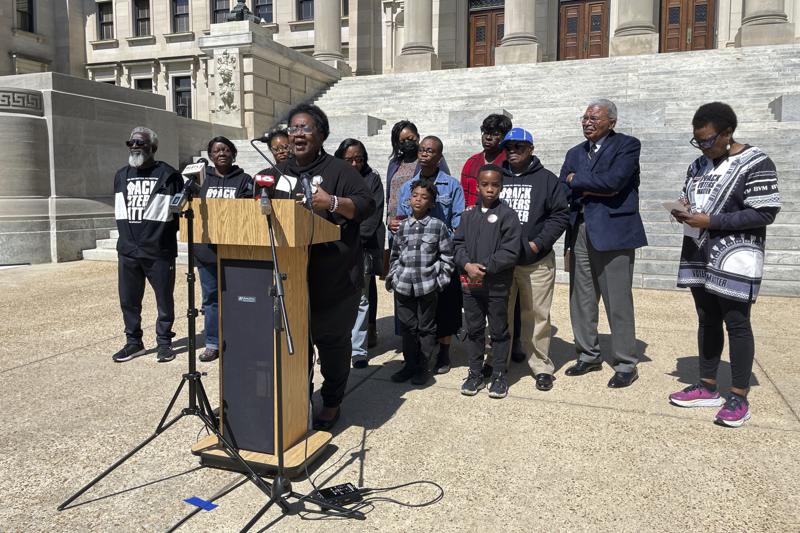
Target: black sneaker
487, 370
360, 363
165, 354
420, 377
442, 364
128, 352
499, 386
210, 354
472, 384
402, 375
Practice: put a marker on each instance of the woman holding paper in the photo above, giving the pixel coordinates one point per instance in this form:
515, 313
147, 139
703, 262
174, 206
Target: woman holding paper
730, 196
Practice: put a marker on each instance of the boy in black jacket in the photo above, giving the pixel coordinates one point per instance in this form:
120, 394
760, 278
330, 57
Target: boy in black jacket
147, 244
487, 247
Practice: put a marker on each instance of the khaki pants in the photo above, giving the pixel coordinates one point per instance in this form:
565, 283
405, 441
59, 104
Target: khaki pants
535, 284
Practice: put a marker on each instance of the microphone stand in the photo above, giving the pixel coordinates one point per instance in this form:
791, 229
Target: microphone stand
199, 404
281, 486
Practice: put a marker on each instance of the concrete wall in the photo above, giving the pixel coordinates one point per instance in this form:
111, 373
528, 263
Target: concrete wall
55, 44
57, 177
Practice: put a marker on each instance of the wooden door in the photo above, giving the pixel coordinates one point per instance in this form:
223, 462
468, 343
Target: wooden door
486, 30
687, 25
583, 29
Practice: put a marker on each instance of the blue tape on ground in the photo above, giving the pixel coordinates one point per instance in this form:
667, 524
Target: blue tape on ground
202, 504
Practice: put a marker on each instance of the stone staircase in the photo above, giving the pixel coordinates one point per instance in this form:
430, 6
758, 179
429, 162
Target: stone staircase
107, 250
656, 96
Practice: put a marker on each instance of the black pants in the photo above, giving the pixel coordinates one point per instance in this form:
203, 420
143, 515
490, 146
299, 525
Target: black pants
417, 316
478, 306
161, 274
331, 326
372, 296
712, 311
448, 308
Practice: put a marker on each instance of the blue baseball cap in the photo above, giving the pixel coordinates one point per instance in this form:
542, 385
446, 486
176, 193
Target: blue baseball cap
519, 135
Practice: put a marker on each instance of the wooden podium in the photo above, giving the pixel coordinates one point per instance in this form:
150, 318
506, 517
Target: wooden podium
248, 410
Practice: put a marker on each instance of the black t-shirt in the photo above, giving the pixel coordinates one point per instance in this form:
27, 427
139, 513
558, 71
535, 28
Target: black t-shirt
335, 268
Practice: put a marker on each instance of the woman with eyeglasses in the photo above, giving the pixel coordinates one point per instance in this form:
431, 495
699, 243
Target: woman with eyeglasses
403, 166
729, 198
223, 179
335, 275
373, 233
278, 142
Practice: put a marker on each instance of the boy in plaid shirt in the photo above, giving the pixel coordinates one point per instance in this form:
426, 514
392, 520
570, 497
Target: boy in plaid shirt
487, 245
421, 264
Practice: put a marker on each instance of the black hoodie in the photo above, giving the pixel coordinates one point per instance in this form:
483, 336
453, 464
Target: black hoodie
541, 205
334, 268
235, 184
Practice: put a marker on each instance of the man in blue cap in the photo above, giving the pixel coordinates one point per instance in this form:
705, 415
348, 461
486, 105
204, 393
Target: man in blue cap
540, 202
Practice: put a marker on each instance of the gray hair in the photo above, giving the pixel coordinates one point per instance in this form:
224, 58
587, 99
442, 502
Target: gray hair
147, 131
608, 105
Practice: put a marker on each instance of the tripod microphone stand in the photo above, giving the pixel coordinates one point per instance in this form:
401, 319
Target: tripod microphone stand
199, 405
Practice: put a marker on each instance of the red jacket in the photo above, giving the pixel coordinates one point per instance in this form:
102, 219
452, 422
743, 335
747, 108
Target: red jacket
469, 175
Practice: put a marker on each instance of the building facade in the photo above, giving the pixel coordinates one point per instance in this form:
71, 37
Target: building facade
154, 45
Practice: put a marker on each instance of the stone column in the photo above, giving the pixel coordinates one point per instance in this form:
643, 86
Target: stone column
418, 53
765, 22
519, 44
328, 32
637, 29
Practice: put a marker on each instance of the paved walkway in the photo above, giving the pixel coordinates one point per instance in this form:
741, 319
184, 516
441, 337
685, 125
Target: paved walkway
579, 458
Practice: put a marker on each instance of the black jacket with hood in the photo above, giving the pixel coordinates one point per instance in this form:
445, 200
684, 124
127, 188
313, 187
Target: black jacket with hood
541, 205
234, 184
335, 269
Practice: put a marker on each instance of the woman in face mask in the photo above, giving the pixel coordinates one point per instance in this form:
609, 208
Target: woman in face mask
403, 166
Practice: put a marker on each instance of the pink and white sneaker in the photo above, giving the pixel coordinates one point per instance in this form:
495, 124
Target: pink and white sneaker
734, 413
697, 395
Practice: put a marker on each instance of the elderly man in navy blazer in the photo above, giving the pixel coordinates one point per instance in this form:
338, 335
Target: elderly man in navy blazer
605, 229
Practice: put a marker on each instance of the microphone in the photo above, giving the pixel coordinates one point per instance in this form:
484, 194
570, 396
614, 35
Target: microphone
193, 179
264, 180
308, 191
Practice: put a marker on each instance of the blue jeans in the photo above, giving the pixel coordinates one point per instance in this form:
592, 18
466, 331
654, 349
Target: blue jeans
208, 284
359, 333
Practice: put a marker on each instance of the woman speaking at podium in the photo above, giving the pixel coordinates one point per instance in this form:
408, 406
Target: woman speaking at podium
335, 279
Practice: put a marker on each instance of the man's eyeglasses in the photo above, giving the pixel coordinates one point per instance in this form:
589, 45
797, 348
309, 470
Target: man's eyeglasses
136, 142
517, 147
428, 151
303, 128
281, 148
592, 119
358, 159
706, 143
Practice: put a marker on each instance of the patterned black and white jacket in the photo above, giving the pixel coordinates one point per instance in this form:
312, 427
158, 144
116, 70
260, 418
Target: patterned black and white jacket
741, 197
147, 230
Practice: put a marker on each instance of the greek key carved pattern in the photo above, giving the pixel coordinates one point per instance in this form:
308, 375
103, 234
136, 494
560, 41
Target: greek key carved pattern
12, 101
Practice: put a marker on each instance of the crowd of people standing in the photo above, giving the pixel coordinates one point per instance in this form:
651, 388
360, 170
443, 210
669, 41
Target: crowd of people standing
481, 247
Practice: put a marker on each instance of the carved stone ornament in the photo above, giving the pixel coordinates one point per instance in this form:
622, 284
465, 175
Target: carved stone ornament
226, 86
25, 101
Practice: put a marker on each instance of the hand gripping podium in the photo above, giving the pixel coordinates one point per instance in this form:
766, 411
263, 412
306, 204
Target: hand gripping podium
248, 384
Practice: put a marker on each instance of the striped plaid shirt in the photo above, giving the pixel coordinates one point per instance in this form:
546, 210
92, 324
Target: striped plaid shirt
422, 257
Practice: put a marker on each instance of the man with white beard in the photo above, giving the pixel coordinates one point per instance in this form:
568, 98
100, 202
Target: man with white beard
147, 244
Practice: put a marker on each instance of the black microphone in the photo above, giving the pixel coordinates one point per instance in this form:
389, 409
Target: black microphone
262, 139
305, 180
193, 179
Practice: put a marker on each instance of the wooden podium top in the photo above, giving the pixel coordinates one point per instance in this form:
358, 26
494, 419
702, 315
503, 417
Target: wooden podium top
240, 222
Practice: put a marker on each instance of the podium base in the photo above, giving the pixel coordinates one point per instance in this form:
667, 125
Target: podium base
295, 459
